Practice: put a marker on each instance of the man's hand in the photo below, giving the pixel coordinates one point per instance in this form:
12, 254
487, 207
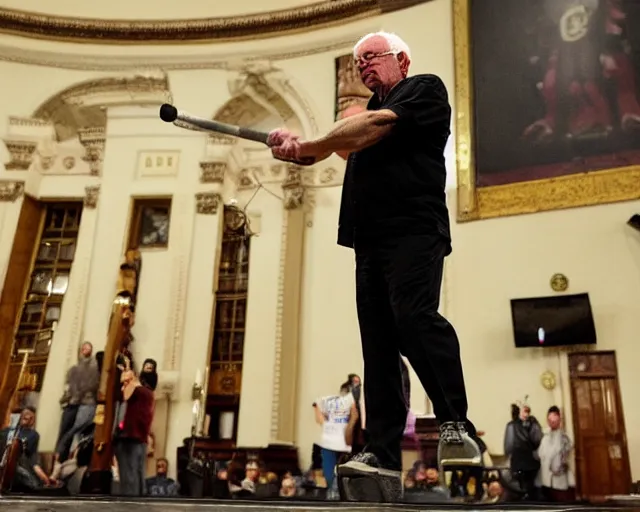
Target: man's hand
278, 136
284, 145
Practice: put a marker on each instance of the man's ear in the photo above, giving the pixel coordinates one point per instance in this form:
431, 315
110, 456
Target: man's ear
404, 61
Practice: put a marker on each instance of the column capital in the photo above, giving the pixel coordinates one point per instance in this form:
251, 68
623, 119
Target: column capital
93, 140
207, 203
293, 188
213, 171
11, 190
21, 152
91, 195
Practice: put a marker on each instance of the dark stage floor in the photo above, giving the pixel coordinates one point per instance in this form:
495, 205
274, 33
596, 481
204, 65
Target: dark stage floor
30, 504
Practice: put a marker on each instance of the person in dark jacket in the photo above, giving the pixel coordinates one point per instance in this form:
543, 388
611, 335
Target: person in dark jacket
521, 441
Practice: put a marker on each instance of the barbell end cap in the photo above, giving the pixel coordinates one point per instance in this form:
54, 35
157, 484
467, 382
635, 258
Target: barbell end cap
168, 113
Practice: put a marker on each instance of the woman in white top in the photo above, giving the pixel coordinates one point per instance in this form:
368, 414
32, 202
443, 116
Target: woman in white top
334, 413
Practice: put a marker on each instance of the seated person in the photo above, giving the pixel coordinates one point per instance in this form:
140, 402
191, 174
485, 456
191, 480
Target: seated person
161, 485
29, 476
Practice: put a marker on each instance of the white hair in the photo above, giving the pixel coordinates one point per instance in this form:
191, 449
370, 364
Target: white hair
396, 44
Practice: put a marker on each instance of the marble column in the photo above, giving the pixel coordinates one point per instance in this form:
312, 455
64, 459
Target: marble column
285, 379
11, 195
68, 335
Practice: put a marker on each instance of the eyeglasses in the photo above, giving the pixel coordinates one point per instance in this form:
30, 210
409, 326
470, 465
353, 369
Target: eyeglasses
367, 57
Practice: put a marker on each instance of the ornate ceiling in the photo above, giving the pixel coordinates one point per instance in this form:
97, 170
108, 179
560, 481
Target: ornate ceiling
291, 17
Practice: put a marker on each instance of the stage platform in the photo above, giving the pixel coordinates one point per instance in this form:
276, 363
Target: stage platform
31, 504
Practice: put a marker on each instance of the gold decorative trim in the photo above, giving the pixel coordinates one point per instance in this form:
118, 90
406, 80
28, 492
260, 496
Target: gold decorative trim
559, 282
10, 190
474, 203
228, 28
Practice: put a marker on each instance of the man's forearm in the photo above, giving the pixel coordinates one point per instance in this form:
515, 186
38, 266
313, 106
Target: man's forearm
351, 134
41, 474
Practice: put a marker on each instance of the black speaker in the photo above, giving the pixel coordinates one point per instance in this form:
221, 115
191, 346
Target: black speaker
634, 221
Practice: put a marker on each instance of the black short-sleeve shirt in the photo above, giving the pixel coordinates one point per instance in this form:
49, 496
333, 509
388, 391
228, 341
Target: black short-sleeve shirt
397, 186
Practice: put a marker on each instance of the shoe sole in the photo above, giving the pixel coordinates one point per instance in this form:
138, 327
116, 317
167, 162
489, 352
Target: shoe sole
362, 483
362, 489
367, 489
356, 469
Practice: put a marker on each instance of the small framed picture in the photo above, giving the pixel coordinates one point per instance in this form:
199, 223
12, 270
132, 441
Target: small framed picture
151, 222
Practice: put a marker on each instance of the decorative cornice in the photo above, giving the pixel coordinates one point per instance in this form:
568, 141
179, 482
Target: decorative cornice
228, 28
11, 190
207, 203
91, 195
128, 62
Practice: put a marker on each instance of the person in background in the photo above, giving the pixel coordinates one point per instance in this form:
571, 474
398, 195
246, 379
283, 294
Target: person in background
149, 374
334, 413
133, 433
79, 404
161, 485
555, 476
29, 476
359, 434
521, 441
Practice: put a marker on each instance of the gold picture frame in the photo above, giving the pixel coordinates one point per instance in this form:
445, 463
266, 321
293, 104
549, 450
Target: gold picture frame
570, 191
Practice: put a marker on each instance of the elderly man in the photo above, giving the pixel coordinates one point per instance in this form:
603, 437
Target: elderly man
394, 215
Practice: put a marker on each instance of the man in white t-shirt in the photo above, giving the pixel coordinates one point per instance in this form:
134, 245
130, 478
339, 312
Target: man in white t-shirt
333, 413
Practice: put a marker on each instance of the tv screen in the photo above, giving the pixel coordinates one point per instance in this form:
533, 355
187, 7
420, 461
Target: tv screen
553, 321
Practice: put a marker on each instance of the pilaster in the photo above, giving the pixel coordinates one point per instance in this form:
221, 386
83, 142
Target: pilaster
198, 308
68, 335
285, 378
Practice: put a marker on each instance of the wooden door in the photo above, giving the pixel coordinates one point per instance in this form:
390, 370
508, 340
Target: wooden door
602, 457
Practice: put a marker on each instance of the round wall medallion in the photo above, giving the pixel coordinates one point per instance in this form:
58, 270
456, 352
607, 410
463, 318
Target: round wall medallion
548, 380
559, 282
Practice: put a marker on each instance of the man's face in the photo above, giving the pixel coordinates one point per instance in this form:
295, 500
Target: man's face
149, 368
379, 70
356, 381
432, 475
86, 349
553, 420
161, 467
27, 419
525, 412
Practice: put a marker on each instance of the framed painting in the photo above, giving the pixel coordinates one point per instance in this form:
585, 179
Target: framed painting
547, 104
352, 95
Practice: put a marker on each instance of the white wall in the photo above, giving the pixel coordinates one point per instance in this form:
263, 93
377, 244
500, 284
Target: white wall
493, 261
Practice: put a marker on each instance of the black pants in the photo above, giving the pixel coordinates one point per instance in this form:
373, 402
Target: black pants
398, 293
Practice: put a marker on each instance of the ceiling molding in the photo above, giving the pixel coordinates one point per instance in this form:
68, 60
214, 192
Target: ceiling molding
204, 30
205, 60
